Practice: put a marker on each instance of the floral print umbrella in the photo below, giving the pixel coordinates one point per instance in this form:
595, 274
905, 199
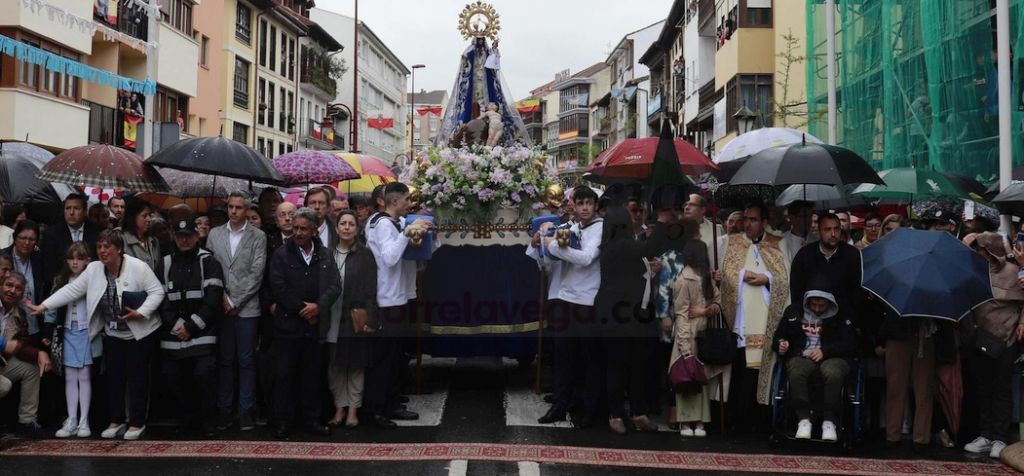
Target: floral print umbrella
102, 166
304, 167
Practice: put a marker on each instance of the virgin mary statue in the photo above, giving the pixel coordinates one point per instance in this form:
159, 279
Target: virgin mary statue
478, 84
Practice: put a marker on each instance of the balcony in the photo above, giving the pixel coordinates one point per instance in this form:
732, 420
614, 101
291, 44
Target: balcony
706, 17
134, 22
315, 136
103, 125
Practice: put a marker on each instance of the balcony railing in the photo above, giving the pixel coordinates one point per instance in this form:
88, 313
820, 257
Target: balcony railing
311, 128
103, 127
134, 22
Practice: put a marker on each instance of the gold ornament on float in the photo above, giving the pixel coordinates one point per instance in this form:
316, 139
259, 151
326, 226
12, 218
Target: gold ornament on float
479, 20
553, 196
415, 199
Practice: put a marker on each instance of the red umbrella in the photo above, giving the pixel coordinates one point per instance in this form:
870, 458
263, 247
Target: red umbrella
632, 159
102, 166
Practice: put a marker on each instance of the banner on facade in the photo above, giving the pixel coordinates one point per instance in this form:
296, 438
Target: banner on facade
131, 130
720, 118
380, 122
317, 134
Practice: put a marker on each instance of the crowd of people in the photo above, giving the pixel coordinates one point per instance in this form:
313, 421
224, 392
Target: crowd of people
249, 312
232, 308
787, 282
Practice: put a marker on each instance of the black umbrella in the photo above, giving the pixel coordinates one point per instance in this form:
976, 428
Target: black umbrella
1011, 200
968, 184
18, 182
218, 156
805, 164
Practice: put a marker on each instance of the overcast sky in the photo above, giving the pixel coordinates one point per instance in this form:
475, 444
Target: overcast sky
538, 37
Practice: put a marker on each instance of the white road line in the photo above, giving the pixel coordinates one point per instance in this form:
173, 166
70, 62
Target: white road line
458, 467
529, 468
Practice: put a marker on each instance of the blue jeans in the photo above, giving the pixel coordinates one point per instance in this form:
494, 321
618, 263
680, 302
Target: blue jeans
237, 346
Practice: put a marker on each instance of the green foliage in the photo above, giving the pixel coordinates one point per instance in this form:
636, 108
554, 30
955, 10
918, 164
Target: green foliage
785, 107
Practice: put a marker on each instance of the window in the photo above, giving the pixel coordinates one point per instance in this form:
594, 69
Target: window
260, 146
280, 148
204, 52
284, 112
263, 43
291, 110
291, 59
273, 107
240, 132
243, 24
753, 91
28, 76
416, 123
273, 47
416, 137
290, 148
241, 83
284, 54
270, 149
262, 91
166, 105
756, 13
433, 124
177, 14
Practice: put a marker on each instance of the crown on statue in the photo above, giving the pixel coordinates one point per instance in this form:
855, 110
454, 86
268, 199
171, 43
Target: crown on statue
479, 20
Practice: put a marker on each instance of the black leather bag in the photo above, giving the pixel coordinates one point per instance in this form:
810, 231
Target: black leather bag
988, 344
716, 344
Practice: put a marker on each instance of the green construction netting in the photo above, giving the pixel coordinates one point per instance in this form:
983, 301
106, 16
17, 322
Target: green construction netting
915, 81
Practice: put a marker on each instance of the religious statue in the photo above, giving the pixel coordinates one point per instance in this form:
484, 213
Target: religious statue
494, 125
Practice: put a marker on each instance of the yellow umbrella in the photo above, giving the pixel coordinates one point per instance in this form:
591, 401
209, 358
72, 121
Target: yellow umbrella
372, 173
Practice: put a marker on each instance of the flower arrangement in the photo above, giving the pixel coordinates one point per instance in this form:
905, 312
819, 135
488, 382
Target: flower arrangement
474, 182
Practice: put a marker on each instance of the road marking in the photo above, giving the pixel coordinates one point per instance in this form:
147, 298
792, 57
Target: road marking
458, 467
529, 468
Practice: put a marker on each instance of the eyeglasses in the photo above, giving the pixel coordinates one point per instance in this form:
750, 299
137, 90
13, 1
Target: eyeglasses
27, 239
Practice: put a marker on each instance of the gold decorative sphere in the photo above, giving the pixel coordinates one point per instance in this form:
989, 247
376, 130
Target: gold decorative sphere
553, 196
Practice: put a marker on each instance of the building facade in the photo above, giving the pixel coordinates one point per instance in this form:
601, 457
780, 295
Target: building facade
381, 79
277, 69
426, 112
571, 146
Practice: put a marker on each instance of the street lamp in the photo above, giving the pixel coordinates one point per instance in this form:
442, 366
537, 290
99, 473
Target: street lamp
745, 119
412, 110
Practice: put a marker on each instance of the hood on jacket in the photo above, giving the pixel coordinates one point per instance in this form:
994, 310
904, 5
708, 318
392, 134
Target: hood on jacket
833, 307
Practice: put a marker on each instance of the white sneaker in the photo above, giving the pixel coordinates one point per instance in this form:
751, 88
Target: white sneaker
114, 432
83, 429
803, 430
134, 434
828, 431
997, 449
700, 433
979, 445
686, 433
70, 428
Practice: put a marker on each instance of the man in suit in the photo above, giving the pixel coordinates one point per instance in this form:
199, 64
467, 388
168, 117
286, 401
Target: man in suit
241, 250
276, 238
75, 228
319, 200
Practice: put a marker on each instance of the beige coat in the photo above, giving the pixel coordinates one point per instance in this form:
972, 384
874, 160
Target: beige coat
1002, 315
687, 295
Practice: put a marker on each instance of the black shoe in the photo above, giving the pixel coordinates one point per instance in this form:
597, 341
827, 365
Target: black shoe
317, 428
245, 422
209, 430
380, 422
402, 414
549, 398
403, 399
553, 415
223, 422
281, 430
32, 430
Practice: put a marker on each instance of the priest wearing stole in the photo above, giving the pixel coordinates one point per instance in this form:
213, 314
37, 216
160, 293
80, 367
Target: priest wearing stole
754, 287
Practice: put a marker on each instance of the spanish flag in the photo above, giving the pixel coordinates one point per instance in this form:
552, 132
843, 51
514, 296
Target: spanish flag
131, 129
528, 105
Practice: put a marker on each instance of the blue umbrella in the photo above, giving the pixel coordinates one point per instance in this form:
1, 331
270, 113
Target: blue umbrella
926, 274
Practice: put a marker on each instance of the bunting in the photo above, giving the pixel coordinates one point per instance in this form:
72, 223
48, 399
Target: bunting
70, 67
429, 110
89, 26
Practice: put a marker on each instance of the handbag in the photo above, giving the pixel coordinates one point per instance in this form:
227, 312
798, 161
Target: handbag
716, 344
988, 344
687, 376
57, 351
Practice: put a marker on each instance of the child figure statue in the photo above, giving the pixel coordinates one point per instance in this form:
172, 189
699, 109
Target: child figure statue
497, 128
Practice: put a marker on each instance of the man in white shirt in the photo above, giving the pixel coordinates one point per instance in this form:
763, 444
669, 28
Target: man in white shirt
799, 233
387, 238
694, 210
318, 199
241, 250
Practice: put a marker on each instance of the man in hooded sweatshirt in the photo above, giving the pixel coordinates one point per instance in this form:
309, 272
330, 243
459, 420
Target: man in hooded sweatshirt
815, 336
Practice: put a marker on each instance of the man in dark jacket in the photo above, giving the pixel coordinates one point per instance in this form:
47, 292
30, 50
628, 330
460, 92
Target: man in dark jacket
305, 282
194, 281
832, 257
815, 337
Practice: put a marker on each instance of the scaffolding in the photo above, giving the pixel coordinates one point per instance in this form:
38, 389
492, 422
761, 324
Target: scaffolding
916, 82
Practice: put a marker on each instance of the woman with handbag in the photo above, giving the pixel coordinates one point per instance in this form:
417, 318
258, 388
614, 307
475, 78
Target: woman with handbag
347, 332
696, 298
998, 330
128, 331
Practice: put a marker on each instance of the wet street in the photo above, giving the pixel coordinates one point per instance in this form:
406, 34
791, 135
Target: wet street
480, 419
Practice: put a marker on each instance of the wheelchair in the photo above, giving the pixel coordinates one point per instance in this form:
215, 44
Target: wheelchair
850, 417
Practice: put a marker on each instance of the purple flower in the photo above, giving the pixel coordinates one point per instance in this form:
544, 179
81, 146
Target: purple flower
530, 190
515, 197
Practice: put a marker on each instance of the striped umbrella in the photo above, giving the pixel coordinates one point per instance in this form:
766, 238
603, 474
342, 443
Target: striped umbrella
102, 166
372, 171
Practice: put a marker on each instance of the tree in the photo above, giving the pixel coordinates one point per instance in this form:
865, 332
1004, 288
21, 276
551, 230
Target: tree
325, 69
588, 153
784, 108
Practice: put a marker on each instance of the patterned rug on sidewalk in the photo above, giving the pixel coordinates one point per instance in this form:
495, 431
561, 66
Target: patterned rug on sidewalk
565, 455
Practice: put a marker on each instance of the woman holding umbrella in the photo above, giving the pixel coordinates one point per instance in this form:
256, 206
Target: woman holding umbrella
997, 331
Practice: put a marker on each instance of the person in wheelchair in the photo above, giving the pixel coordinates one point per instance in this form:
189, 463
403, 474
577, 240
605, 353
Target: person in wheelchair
815, 336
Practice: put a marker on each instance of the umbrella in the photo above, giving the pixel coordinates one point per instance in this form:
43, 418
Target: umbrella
298, 195
966, 184
805, 164
303, 167
18, 182
632, 158
906, 184
750, 143
36, 154
951, 392
372, 173
217, 156
102, 166
926, 274
198, 191
824, 197
1011, 200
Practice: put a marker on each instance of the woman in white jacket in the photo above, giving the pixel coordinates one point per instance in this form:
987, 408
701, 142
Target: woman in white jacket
128, 334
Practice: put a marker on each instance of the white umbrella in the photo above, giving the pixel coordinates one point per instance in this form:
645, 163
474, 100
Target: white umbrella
750, 143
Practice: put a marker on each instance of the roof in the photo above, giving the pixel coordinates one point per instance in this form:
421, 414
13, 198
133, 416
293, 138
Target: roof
315, 31
592, 70
625, 38
540, 92
636, 81
431, 97
668, 32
